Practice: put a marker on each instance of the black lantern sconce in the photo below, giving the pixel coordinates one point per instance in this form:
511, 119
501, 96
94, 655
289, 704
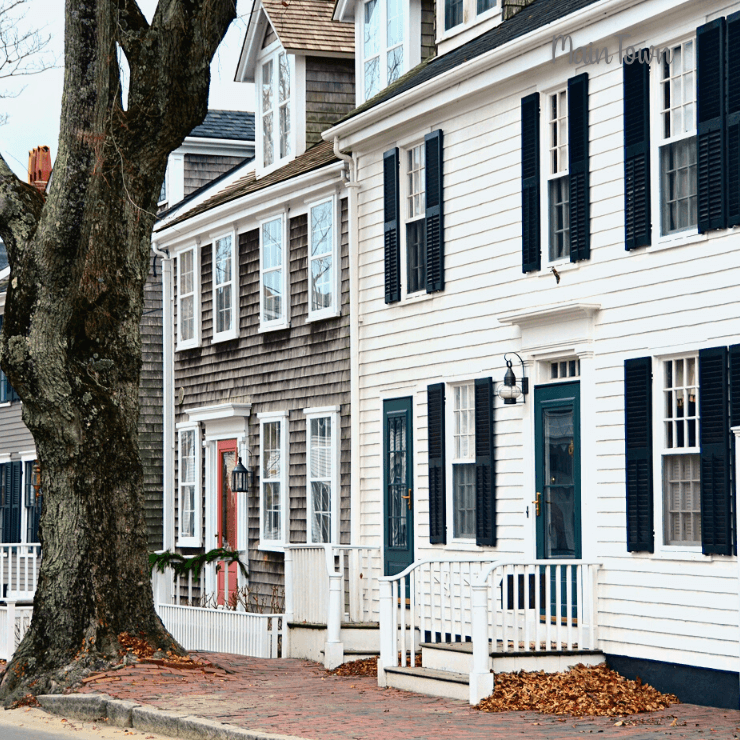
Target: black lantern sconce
240, 477
509, 391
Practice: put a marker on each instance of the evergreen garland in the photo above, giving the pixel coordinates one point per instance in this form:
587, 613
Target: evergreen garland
182, 565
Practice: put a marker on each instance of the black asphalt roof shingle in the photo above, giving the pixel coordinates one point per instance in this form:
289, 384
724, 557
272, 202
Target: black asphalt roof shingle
226, 124
537, 15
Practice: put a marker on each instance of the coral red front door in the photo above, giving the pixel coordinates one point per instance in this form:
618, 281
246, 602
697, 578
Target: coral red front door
226, 501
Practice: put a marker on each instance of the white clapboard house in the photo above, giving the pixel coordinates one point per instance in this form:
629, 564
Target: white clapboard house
545, 319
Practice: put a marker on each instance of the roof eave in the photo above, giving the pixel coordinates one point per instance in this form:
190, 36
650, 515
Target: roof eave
344, 11
256, 28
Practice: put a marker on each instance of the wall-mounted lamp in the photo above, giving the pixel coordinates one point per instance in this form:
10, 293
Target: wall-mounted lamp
509, 391
240, 477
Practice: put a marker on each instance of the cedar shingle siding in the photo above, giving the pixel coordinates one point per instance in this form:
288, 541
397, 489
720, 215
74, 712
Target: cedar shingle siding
304, 366
201, 169
428, 34
330, 94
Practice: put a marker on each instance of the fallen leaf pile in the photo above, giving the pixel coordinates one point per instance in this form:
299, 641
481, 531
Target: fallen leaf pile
29, 700
146, 653
581, 691
365, 667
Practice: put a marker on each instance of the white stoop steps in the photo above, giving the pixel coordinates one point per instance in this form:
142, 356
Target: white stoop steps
446, 667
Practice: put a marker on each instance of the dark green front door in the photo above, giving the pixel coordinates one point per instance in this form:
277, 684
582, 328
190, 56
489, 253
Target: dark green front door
558, 470
398, 506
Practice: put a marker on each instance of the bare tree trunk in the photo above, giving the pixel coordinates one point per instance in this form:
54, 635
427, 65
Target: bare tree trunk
70, 343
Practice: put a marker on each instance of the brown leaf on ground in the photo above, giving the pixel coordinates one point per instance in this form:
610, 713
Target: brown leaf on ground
146, 653
29, 700
581, 691
366, 667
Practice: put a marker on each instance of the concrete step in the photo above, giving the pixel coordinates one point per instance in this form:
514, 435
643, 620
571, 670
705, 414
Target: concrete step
458, 657
429, 681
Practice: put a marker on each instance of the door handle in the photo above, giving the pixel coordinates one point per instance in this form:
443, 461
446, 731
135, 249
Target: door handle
536, 503
407, 498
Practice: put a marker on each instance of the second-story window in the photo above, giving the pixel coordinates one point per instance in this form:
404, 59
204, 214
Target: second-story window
416, 260
678, 140
453, 13
558, 178
224, 289
323, 300
187, 326
383, 53
275, 108
273, 278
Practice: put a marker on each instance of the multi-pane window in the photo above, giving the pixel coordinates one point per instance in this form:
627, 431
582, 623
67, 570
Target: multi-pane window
273, 470
416, 262
272, 274
382, 34
224, 322
322, 263
322, 480
33, 499
558, 178
681, 459
186, 299
678, 139
274, 100
463, 461
188, 467
564, 369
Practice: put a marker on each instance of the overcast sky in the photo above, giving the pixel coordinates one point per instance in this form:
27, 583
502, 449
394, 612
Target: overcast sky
34, 114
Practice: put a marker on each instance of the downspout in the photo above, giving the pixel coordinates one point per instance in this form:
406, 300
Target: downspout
168, 401
350, 181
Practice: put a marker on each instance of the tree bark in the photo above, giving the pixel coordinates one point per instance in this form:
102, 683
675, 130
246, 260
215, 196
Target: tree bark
70, 342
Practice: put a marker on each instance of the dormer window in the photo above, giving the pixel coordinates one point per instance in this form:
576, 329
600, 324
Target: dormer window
275, 88
383, 48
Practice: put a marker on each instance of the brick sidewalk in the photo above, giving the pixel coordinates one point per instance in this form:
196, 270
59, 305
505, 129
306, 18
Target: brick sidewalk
296, 697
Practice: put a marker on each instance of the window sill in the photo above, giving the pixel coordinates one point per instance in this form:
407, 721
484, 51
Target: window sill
4, 404
265, 328
268, 546
224, 337
688, 554
189, 345
562, 266
419, 297
677, 240
188, 542
322, 315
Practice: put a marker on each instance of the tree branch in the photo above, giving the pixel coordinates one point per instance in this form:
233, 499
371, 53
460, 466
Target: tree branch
20, 211
132, 27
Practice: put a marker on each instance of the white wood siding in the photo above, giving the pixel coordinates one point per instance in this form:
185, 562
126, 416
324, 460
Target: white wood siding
661, 300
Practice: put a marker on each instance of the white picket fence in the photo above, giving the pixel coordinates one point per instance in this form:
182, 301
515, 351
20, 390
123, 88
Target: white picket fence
225, 631
19, 571
14, 621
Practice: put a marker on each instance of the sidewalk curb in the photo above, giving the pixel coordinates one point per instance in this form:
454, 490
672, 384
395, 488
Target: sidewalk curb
120, 713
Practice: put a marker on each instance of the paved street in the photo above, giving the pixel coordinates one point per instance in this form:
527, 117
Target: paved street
296, 697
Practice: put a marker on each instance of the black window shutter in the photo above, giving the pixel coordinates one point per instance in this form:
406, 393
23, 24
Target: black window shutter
638, 442
710, 115
437, 473
434, 212
16, 501
578, 166
531, 228
637, 225
732, 64
734, 353
485, 474
5, 499
391, 213
714, 438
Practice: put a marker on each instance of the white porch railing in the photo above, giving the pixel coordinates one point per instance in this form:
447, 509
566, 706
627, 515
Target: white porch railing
14, 621
19, 571
501, 606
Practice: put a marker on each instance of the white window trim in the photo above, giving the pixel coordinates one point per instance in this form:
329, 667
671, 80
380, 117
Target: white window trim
283, 322
404, 219
264, 544
162, 202
334, 309
410, 14
450, 460
331, 412
233, 333
273, 52
662, 549
196, 540
546, 177
26, 457
470, 18
195, 341
687, 236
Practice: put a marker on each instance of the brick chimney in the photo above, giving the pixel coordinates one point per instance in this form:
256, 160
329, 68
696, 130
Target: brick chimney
511, 7
39, 167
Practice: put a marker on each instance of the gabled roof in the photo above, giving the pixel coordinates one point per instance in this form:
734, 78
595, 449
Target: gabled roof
302, 27
537, 15
226, 124
318, 156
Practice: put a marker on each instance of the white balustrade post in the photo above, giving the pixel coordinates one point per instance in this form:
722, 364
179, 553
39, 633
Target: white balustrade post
388, 656
334, 648
288, 605
481, 678
10, 636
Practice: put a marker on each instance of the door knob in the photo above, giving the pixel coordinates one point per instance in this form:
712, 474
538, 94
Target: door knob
536, 503
407, 498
